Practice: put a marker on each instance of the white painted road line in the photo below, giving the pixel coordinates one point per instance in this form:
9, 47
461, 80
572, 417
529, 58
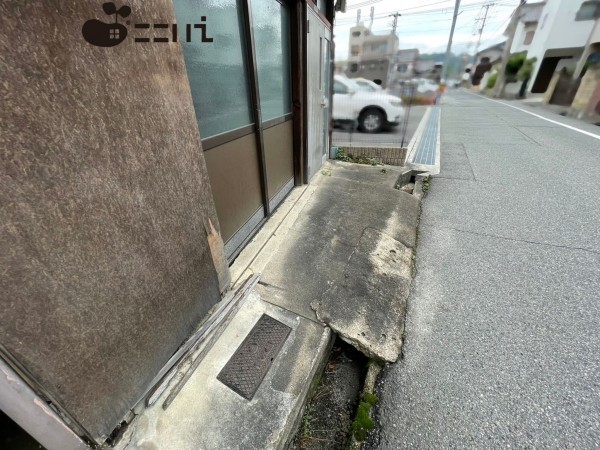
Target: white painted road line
596, 136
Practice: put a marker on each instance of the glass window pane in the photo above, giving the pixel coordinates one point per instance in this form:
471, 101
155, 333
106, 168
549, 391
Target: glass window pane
326, 62
528, 37
271, 24
588, 11
339, 88
217, 70
322, 6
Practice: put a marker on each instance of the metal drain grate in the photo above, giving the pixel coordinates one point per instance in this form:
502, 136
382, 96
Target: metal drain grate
248, 366
428, 144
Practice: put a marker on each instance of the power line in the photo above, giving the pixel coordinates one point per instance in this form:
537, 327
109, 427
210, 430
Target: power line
505, 22
362, 4
487, 8
470, 7
410, 24
424, 6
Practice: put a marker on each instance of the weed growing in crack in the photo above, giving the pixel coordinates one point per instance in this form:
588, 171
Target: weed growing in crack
307, 419
347, 157
363, 421
372, 399
426, 183
326, 172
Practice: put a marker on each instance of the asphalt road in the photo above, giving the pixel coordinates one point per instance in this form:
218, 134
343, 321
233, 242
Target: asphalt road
502, 341
391, 137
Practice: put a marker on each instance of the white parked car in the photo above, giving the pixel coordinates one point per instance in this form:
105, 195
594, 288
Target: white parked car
372, 111
367, 85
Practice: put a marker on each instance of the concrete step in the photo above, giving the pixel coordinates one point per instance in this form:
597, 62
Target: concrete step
206, 414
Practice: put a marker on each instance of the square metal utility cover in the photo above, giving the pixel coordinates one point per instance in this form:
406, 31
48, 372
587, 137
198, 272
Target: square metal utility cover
248, 366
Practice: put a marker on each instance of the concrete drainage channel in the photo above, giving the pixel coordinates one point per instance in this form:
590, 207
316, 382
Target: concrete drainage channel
328, 417
414, 182
340, 412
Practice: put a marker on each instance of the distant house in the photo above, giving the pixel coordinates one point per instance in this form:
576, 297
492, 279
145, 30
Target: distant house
429, 69
339, 67
370, 55
494, 56
526, 27
406, 63
493, 53
563, 34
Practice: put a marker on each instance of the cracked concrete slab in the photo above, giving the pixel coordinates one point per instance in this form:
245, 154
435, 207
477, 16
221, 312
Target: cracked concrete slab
306, 265
335, 256
313, 251
384, 176
367, 306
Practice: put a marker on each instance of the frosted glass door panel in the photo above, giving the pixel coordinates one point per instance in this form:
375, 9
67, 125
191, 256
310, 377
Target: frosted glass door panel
271, 25
217, 70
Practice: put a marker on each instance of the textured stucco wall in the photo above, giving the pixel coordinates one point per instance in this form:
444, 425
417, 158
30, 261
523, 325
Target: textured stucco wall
104, 198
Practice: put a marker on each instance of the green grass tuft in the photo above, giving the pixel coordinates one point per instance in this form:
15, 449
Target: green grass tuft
343, 156
371, 399
363, 422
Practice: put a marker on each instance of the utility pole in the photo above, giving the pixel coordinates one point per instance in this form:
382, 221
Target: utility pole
512, 27
392, 51
449, 47
357, 17
487, 7
395, 23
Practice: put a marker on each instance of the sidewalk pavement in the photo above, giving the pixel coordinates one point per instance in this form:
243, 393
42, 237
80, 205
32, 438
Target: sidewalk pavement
557, 110
336, 257
535, 104
502, 344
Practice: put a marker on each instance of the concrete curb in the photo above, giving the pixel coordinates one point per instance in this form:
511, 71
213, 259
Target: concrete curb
322, 357
421, 185
369, 388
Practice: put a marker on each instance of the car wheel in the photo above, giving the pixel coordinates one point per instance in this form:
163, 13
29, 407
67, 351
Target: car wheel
371, 121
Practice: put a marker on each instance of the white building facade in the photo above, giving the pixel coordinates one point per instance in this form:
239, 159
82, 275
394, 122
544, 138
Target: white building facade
526, 27
559, 39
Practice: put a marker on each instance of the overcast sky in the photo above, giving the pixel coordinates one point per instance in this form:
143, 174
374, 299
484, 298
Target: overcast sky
425, 24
